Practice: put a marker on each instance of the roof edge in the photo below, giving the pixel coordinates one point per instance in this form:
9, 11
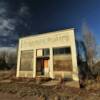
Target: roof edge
47, 33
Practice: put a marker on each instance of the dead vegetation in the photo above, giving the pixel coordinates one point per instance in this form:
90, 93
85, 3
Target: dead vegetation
48, 92
32, 88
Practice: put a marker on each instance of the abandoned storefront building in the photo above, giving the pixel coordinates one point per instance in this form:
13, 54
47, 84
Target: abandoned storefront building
51, 54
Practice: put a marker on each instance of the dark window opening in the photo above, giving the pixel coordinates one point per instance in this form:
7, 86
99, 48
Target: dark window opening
61, 50
46, 52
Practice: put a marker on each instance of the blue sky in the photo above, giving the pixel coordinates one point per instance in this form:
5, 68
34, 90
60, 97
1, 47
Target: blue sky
25, 17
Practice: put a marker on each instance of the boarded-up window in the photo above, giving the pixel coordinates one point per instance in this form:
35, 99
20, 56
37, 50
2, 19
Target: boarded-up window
62, 59
26, 63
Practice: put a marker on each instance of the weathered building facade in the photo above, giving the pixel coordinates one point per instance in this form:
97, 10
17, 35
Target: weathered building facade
51, 54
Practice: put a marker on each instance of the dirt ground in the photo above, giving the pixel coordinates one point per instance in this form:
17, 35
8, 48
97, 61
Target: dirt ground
24, 91
30, 89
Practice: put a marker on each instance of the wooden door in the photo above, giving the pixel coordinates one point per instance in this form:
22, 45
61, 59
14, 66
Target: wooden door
39, 67
46, 67
45, 63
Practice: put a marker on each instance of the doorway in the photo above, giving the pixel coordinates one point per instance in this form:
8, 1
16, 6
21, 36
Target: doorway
42, 66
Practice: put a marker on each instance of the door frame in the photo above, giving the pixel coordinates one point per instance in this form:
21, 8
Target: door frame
42, 68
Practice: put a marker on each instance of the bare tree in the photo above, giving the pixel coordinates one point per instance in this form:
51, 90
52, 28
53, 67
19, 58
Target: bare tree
12, 59
7, 59
90, 44
3, 64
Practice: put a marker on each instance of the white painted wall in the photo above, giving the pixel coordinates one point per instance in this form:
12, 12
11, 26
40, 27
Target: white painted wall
49, 40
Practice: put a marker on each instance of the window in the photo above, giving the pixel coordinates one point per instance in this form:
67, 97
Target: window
61, 50
39, 52
46, 52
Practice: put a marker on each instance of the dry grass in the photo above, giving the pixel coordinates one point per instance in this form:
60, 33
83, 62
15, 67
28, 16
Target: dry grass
31, 88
